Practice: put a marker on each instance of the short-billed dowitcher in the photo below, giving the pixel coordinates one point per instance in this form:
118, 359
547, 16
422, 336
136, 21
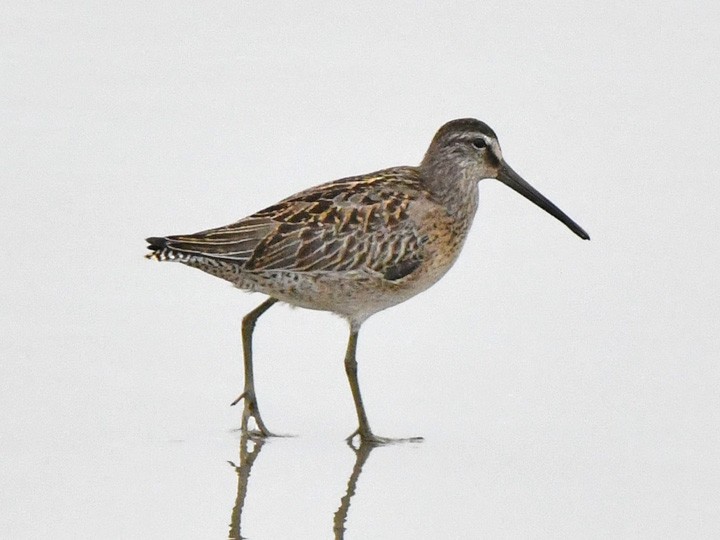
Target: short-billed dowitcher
357, 245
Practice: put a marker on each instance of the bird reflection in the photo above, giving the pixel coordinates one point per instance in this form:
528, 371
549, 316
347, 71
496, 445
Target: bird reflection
362, 452
249, 451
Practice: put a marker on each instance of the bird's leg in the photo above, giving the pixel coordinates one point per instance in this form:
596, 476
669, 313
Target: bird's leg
363, 430
250, 408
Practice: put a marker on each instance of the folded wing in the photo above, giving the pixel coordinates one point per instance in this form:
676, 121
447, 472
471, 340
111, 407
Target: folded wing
361, 223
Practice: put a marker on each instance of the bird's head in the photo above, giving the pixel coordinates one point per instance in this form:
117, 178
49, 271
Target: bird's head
467, 151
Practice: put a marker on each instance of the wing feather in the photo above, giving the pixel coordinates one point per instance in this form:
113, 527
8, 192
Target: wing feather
357, 223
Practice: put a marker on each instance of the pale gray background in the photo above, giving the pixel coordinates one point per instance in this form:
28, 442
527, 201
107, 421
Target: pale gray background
564, 388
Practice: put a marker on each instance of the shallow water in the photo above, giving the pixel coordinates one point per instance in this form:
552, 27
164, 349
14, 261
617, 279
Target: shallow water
215, 483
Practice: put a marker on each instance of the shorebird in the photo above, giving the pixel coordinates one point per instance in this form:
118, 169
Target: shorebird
358, 245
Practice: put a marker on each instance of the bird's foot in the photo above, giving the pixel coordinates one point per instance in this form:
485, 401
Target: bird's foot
251, 410
365, 436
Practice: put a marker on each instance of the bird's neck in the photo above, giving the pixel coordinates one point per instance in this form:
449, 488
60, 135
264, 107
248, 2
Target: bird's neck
462, 203
455, 189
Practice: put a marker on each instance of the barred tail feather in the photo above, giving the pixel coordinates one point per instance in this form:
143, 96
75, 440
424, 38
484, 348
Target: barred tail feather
159, 250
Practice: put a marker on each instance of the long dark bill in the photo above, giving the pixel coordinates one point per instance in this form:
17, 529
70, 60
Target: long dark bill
512, 179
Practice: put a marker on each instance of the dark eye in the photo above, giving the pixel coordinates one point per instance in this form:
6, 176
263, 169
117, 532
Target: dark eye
479, 143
